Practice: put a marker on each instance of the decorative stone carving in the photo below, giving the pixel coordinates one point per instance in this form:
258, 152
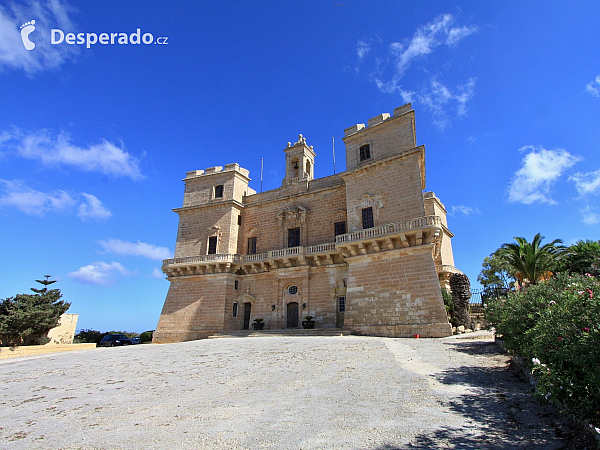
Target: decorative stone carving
301, 140
292, 217
214, 231
340, 215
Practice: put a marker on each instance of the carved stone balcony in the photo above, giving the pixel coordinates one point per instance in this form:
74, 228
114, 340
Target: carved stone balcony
314, 255
410, 233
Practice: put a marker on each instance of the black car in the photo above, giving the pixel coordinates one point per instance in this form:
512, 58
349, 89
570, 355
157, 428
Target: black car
112, 340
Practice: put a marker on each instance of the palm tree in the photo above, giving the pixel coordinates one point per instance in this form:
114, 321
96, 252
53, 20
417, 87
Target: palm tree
531, 262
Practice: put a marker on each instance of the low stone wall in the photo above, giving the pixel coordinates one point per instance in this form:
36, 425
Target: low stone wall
32, 350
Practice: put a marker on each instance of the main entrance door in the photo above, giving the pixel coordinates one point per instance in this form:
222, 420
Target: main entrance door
247, 310
292, 315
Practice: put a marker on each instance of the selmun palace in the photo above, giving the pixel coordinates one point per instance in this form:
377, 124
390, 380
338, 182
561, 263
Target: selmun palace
365, 250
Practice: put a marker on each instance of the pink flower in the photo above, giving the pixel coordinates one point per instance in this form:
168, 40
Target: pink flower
590, 293
560, 338
586, 329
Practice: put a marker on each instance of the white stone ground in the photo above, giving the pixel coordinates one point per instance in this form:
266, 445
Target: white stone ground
278, 393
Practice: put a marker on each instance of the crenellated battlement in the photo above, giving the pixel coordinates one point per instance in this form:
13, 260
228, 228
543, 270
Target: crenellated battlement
234, 167
399, 111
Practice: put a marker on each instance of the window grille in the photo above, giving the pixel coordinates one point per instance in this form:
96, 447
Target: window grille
367, 218
294, 237
212, 245
365, 152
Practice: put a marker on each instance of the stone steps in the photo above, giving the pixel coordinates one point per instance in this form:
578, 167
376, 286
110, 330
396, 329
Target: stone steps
280, 333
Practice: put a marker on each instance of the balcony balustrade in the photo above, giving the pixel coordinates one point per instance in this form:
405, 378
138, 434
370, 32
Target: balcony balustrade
409, 233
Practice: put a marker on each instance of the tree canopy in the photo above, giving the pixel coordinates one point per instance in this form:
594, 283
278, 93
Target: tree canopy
531, 262
27, 318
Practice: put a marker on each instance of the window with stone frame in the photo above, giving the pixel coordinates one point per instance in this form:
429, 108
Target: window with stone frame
367, 218
365, 152
294, 237
235, 309
219, 191
339, 228
341, 304
252, 246
212, 245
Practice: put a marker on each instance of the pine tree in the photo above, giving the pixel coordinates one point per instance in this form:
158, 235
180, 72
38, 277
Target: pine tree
27, 318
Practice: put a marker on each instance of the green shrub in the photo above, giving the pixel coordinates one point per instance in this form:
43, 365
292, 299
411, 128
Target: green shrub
146, 336
555, 327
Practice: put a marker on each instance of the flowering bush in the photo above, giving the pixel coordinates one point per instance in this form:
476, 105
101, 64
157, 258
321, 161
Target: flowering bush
555, 327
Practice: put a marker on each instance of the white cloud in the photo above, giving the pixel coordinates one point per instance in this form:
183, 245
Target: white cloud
105, 157
37, 203
587, 183
362, 49
462, 209
593, 87
456, 34
157, 273
540, 169
438, 97
434, 34
120, 247
92, 208
590, 216
99, 273
32, 202
47, 14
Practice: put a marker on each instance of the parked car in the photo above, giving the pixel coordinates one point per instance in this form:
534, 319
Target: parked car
112, 340
136, 340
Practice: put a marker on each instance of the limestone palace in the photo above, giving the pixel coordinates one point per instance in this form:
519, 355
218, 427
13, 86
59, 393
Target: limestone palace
365, 250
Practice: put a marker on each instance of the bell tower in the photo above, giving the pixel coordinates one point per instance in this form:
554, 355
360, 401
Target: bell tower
299, 162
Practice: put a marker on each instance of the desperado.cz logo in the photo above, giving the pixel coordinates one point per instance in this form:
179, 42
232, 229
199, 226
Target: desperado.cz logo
58, 36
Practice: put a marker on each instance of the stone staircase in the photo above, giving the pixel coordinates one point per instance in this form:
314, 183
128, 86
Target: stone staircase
287, 332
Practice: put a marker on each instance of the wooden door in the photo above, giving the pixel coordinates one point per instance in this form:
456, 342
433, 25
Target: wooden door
292, 315
247, 311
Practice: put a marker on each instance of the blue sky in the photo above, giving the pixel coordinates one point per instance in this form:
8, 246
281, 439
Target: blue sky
94, 141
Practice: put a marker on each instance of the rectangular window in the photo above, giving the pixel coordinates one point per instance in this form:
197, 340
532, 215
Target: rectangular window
212, 245
294, 237
219, 191
237, 285
239, 220
367, 217
365, 152
252, 246
235, 308
339, 228
341, 304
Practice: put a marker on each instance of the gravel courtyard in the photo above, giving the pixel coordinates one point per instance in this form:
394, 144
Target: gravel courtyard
344, 392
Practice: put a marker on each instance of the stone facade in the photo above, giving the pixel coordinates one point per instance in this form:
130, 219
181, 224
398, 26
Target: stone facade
365, 250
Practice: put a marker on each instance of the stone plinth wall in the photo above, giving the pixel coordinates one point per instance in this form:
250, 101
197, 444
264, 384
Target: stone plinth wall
395, 293
194, 308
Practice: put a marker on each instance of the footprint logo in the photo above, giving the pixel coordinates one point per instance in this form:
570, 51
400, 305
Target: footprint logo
26, 30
